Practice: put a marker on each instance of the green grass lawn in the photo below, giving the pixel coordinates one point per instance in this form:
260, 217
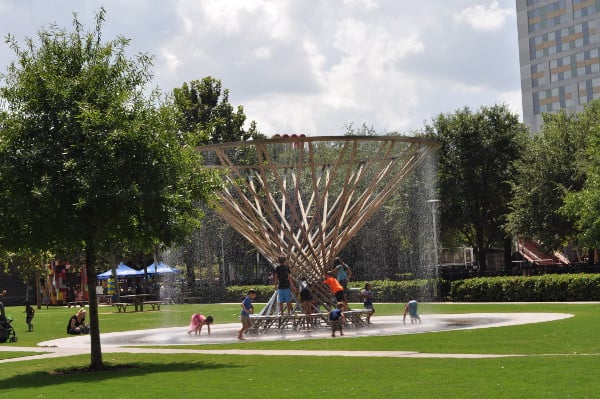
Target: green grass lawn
562, 360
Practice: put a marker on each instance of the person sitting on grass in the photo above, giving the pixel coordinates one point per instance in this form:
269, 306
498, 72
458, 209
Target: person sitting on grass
77, 323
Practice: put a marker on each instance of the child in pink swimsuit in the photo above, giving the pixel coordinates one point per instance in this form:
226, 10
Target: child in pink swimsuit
196, 323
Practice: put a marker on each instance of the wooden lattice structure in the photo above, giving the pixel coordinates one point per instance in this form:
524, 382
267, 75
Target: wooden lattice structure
306, 197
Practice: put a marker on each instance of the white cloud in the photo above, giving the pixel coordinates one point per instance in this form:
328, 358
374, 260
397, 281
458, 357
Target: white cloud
485, 18
313, 67
513, 101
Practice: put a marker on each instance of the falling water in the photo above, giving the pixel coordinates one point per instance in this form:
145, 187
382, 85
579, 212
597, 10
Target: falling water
397, 243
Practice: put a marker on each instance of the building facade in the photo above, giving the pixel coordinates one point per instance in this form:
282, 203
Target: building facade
559, 54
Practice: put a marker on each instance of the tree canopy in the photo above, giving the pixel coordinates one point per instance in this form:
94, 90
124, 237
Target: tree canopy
583, 206
206, 116
475, 171
547, 172
87, 159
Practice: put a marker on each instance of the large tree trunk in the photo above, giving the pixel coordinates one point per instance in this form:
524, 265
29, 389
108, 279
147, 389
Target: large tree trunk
96, 349
507, 253
481, 251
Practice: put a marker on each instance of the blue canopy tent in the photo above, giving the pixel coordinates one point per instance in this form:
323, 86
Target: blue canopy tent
160, 268
122, 271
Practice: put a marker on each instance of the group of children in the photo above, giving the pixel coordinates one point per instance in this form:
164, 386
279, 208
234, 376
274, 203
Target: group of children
336, 315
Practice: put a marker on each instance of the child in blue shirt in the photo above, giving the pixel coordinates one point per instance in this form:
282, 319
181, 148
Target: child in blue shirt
337, 319
247, 310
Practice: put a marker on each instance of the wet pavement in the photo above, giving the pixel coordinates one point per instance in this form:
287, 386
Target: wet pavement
132, 341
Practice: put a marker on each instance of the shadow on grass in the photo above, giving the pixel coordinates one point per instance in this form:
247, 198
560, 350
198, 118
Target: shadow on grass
82, 374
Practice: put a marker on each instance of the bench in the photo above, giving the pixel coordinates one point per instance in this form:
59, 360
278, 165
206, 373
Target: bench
104, 298
155, 304
122, 306
307, 321
264, 322
75, 303
357, 317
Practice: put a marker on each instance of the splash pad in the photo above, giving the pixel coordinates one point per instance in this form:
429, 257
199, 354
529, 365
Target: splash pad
226, 333
306, 197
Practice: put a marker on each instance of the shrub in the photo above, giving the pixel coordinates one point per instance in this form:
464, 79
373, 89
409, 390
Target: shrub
549, 287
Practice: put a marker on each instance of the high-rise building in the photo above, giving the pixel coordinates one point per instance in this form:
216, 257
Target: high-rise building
559, 53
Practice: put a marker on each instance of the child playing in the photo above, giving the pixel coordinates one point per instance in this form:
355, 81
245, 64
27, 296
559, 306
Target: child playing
336, 288
367, 297
306, 298
411, 309
247, 310
337, 318
29, 312
197, 322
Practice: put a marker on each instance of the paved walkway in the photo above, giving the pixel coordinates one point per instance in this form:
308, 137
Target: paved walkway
131, 341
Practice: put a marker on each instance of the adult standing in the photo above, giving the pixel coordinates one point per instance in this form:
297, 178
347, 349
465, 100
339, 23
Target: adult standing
283, 284
2, 294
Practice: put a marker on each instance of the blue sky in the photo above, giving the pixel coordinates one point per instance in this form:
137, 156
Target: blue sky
313, 67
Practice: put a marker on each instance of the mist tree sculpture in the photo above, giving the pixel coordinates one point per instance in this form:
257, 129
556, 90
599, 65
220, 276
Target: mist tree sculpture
306, 197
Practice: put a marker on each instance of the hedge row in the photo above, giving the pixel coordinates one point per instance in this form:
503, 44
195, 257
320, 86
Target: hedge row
546, 288
383, 291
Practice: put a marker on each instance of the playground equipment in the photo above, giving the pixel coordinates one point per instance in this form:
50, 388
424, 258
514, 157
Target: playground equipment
306, 197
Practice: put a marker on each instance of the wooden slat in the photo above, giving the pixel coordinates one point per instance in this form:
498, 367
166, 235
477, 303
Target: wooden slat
290, 199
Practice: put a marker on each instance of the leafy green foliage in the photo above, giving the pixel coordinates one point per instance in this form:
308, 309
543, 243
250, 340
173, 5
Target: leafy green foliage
476, 168
583, 206
87, 160
548, 171
206, 116
549, 287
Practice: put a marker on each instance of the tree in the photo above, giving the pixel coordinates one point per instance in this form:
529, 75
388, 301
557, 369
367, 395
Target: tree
30, 266
583, 206
548, 171
207, 116
87, 160
475, 171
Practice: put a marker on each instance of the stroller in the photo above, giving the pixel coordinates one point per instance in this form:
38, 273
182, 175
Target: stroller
7, 332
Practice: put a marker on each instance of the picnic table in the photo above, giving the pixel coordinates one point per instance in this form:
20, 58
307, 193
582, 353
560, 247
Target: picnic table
80, 303
136, 299
121, 306
154, 304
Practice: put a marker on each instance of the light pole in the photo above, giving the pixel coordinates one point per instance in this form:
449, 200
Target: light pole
433, 205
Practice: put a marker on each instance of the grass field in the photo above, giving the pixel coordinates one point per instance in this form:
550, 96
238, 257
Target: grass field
557, 359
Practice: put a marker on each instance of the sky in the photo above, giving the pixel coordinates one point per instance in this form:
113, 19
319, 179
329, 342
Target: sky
311, 66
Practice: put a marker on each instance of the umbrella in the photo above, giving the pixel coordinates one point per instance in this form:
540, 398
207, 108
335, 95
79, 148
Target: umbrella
160, 268
122, 271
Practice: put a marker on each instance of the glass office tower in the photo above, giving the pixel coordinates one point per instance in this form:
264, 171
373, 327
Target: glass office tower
559, 44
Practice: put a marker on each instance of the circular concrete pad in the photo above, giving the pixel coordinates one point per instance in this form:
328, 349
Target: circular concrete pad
382, 325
